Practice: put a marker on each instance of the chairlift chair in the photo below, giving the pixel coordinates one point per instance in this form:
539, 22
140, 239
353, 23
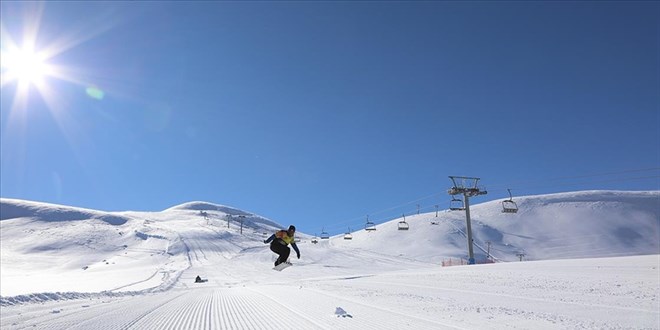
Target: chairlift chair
324, 235
403, 225
348, 235
456, 204
509, 206
369, 226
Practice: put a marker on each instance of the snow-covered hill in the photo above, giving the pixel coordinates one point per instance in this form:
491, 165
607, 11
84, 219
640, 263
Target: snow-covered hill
90, 266
49, 247
557, 226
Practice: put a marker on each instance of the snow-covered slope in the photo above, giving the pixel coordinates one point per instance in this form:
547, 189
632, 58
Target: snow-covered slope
136, 269
81, 246
557, 226
47, 247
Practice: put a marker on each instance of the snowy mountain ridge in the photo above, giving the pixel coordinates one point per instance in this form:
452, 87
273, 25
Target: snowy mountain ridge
556, 226
67, 267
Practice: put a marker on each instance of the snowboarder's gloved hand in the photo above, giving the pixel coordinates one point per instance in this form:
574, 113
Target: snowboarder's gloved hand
298, 254
265, 242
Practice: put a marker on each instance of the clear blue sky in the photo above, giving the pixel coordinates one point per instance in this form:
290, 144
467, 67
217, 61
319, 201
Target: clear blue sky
319, 113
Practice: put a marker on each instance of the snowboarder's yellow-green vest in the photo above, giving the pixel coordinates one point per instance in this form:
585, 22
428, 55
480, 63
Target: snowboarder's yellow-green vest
284, 236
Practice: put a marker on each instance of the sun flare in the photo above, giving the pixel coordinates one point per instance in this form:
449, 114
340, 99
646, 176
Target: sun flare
25, 66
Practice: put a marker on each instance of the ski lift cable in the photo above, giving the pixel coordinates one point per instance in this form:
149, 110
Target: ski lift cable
517, 186
407, 203
502, 190
382, 220
650, 169
355, 221
539, 181
582, 183
371, 223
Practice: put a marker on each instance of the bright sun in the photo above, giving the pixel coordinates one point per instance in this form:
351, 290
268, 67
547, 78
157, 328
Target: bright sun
35, 66
25, 66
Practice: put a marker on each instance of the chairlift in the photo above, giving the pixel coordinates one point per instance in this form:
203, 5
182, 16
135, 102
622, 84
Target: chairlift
324, 234
403, 225
509, 206
369, 226
348, 235
456, 204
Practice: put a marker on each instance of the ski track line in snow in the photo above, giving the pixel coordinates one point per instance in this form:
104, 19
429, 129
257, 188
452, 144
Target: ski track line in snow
217, 249
223, 233
168, 316
395, 260
250, 311
235, 308
375, 322
359, 253
187, 250
138, 282
210, 246
382, 322
549, 314
318, 325
434, 322
187, 313
142, 315
193, 251
518, 297
116, 314
250, 306
35, 318
303, 306
197, 246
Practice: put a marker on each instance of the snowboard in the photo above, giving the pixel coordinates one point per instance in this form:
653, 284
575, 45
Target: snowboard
281, 266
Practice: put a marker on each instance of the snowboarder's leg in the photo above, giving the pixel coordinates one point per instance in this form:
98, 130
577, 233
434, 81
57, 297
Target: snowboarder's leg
282, 250
284, 256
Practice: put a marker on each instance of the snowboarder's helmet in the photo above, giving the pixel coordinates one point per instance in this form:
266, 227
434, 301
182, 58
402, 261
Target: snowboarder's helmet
292, 228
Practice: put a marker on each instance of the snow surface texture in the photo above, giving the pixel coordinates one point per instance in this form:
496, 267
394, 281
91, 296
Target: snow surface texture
72, 268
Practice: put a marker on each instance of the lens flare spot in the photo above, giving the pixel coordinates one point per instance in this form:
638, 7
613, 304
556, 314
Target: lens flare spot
95, 93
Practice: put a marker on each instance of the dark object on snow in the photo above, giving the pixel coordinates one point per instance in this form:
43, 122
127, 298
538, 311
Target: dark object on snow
199, 279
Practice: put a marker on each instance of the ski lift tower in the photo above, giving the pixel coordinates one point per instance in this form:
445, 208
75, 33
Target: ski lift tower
467, 187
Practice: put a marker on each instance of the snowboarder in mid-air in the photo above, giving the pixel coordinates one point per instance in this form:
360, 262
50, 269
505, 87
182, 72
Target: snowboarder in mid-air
279, 241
